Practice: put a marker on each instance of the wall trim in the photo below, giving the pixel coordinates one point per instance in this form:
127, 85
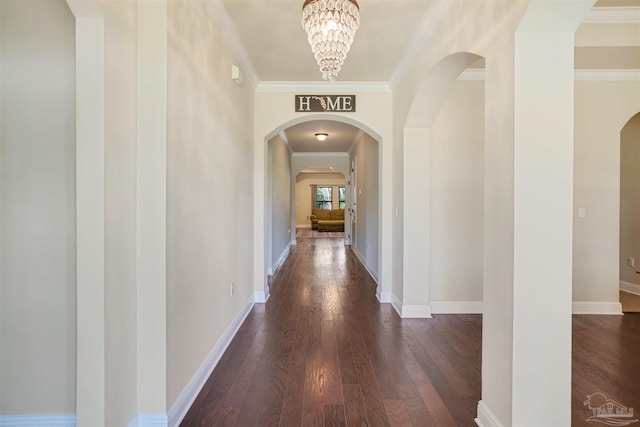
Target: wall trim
609, 15
303, 225
583, 75
486, 418
186, 398
613, 75
149, 420
371, 272
456, 307
631, 288
383, 297
283, 255
597, 307
38, 420
325, 87
320, 154
416, 312
260, 297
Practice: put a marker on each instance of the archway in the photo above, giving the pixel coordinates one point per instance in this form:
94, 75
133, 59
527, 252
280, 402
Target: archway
432, 118
630, 208
299, 162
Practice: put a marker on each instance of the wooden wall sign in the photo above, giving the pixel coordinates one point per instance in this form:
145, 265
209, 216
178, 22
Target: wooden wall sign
325, 103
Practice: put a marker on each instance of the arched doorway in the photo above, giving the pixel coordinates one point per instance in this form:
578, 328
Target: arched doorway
364, 140
630, 213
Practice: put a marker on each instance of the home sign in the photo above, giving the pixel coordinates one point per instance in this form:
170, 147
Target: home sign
325, 103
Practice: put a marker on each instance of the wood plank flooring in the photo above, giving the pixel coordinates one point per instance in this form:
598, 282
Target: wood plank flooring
323, 352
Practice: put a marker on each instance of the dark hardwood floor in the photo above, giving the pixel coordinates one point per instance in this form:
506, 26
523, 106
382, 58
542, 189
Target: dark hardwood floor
323, 352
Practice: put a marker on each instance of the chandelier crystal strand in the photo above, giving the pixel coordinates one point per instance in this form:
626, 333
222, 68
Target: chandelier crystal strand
330, 26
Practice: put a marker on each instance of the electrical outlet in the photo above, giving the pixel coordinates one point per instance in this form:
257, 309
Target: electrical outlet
232, 288
631, 262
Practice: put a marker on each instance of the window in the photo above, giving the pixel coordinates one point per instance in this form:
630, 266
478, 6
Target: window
342, 194
324, 197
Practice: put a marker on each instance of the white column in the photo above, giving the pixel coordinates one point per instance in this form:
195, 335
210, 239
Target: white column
90, 380
416, 239
543, 229
543, 217
152, 201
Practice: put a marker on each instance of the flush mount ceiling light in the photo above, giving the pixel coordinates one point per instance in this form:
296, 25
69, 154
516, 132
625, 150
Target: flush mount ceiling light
321, 136
330, 26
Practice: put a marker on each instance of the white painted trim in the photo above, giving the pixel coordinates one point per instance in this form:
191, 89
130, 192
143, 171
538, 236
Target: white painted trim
613, 75
456, 307
260, 297
303, 225
184, 401
320, 154
597, 307
383, 297
38, 420
582, 75
472, 74
416, 311
611, 15
149, 420
325, 87
631, 288
280, 260
486, 418
371, 272
396, 304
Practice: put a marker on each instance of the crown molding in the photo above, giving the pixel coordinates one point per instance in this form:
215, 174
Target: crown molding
630, 75
324, 87
613, 15
595, 75
319, 154
427, 25
228, 29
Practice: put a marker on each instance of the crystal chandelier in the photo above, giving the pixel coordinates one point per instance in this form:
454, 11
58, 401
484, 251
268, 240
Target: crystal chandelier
330, 26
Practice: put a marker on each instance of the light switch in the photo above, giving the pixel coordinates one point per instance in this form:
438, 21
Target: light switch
581, 212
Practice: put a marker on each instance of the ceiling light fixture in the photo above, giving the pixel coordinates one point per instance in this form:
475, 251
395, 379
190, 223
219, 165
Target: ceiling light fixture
321, 136
330, 26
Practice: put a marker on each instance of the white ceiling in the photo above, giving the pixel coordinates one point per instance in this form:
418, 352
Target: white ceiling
272, 48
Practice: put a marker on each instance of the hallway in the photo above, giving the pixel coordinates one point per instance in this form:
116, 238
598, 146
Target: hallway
322, 351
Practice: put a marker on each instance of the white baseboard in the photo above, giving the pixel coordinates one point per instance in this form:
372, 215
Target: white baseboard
383, 297
280, 260
456, 307
184, 401
149, 420
38, 420
410, 311
486, 418
416, 312
260, 297
597, 307
372, 273
631, 288
303, 225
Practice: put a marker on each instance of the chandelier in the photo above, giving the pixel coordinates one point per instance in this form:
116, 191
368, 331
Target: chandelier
330, 26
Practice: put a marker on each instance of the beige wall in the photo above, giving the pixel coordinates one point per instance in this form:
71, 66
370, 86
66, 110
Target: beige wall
37, 208
630, 200
457, 195
365, 237
601, 111
209, 192
304, 181
280, 199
